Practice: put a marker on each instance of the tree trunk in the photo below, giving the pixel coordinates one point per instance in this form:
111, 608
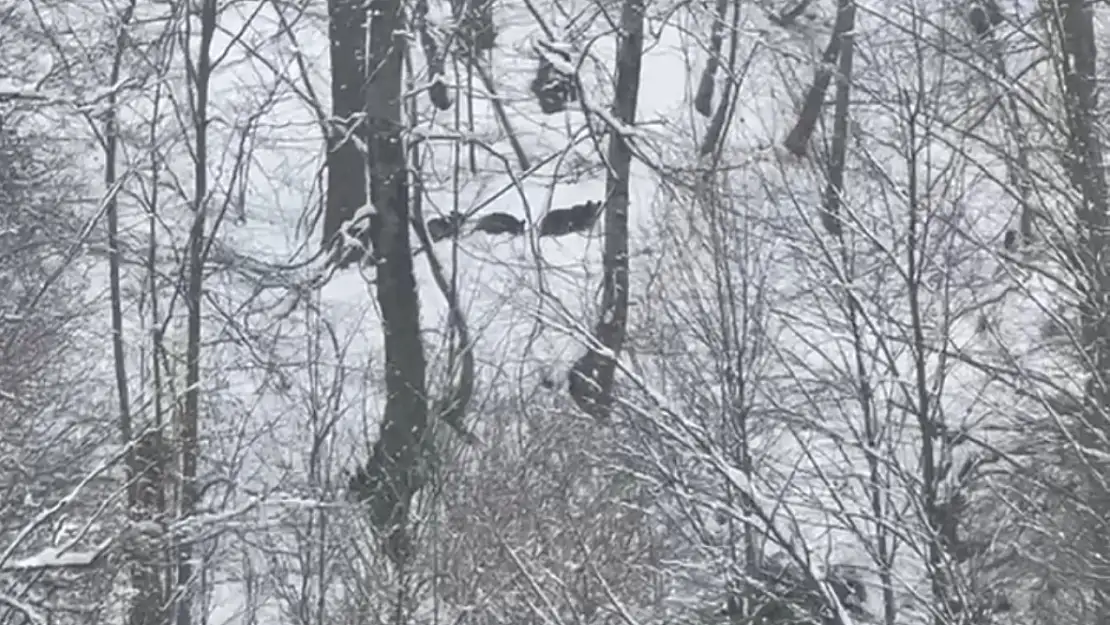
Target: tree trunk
830, 214
148, 461
716, 128
703, 99
591, 378
346, 162
1072, 21
200, 75
395, 468
144, 501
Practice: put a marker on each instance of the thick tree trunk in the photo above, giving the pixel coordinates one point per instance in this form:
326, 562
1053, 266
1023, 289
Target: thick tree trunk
591, 378
346, 162
395, 470
716, 128
1072, 21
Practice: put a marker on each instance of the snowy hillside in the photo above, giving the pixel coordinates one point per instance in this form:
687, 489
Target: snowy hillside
861, 378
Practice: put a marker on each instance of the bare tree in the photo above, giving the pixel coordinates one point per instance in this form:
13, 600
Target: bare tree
839, 41
1062, 472
394, 473
199, 71
146, 457
592, 376
56, 512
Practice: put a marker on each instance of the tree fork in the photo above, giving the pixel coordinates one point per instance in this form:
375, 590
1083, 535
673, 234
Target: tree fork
798, 139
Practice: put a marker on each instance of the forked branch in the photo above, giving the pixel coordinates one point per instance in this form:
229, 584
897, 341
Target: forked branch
798, 139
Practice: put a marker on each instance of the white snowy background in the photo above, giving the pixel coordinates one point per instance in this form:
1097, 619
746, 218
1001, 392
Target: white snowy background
292, 395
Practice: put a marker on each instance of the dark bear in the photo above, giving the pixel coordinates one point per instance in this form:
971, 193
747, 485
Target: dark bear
500, 223
577, 218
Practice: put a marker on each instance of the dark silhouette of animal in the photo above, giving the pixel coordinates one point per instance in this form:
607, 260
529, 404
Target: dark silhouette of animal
438, 94
552, 87
994, 14
577, 218
440, 228
500, 223
984, 16
779, 593
475, 23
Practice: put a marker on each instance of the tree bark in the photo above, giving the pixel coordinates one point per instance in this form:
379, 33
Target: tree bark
346, 162
148, 462
830, 214
703, 99
395, 468
716, 128
200, 76
591, 378
1072, 21
144, 486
